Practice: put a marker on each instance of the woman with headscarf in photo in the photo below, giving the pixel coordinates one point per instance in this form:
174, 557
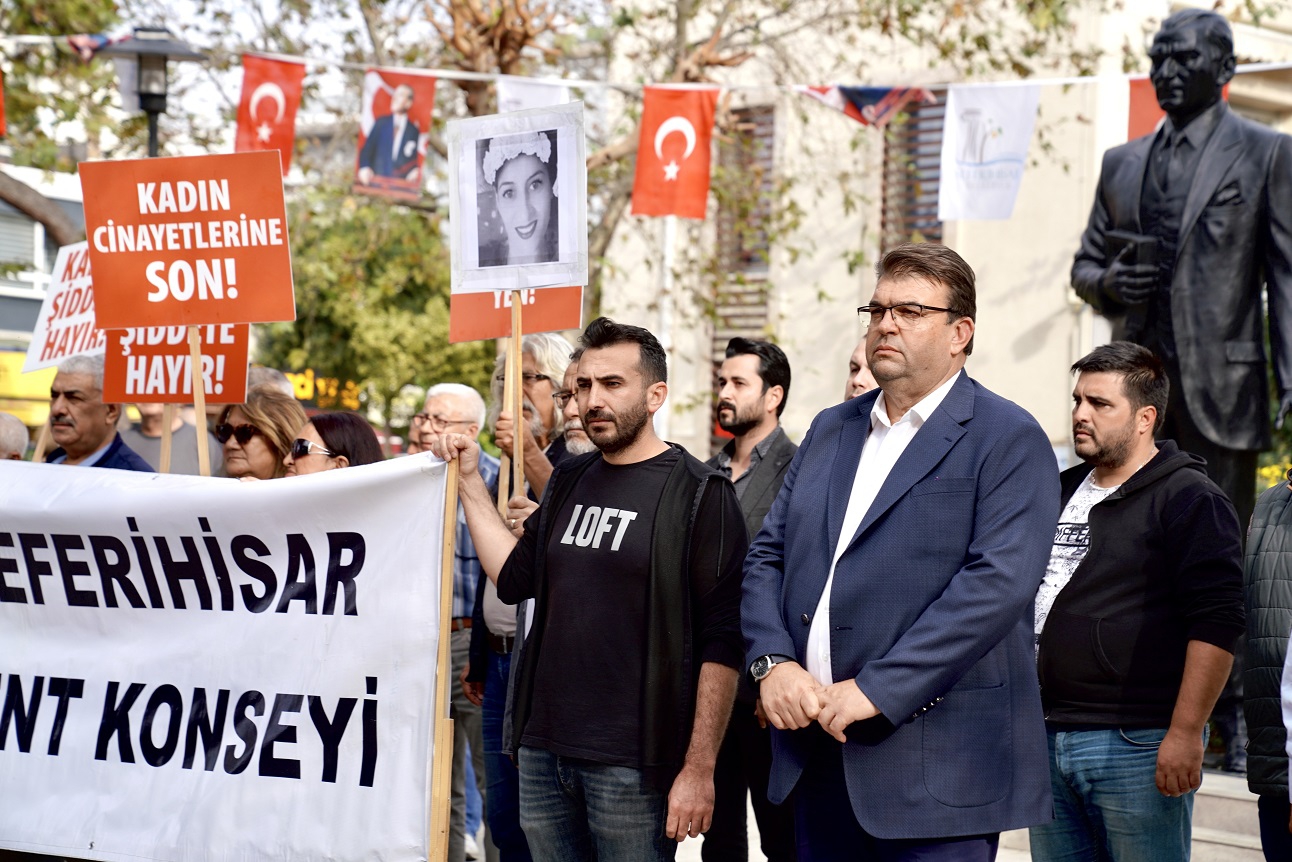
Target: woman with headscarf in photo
332, 441
258, 434
521, 170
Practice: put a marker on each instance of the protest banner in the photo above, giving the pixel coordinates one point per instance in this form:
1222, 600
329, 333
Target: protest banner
66, 325
151, 364
204, 669
477, 316
192, 240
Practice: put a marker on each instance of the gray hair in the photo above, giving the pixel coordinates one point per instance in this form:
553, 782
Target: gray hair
551, 354
461, 390
82, 364
260, 375
13, 436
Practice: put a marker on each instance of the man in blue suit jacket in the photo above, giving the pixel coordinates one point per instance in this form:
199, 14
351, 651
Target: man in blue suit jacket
390, 150
887, 598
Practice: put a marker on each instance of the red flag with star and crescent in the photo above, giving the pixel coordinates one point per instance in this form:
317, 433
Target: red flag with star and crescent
673, 152
271, 93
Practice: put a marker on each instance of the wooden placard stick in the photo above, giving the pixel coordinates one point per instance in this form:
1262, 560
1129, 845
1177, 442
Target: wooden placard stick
517, 384
504, 463
199, 398
42, 444
442, 732
168, 437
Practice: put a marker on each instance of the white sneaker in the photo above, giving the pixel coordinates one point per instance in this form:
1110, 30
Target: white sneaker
473, 849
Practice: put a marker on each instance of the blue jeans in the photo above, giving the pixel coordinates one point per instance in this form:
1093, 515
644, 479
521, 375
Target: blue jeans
502, 777
579, 811
1106, 802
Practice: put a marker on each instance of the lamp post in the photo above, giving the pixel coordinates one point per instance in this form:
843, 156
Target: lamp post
151, 48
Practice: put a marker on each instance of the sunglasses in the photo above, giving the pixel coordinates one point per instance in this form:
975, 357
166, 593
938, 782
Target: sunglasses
302, 447
243, 433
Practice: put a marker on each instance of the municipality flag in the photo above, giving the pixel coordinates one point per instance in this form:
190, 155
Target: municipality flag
984, 150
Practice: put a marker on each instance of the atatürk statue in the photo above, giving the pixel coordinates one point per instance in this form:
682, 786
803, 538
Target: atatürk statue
1188, 223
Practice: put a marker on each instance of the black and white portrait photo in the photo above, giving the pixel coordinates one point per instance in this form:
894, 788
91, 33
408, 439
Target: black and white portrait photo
518, 200
518, 211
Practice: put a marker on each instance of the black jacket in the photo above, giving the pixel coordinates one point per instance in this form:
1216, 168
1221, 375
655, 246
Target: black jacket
693, 609
1268, 585
766, 481
1163, 568
118, 457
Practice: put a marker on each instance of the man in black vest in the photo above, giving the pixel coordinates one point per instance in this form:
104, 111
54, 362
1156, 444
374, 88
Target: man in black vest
1188, 223
753, 386
633, 560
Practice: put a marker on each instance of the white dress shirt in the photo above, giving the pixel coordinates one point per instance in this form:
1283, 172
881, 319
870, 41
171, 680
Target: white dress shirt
885, 444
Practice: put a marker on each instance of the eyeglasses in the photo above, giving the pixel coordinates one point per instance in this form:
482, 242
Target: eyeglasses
439, 423
302, 447
529, 377
904, 314
243, 433
562, 398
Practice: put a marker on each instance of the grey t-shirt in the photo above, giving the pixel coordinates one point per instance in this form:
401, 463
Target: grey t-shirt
183, 449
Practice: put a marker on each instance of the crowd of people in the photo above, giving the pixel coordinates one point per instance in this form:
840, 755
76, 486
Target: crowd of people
896, 639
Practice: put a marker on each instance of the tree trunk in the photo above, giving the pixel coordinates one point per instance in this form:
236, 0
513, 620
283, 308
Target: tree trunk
22, 197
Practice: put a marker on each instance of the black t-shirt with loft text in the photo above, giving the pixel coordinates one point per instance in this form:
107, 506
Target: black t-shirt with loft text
589, 677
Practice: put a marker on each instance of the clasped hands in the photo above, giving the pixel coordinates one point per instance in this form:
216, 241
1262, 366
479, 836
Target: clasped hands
792, 699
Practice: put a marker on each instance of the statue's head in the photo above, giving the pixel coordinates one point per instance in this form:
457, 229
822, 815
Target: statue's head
1193, 59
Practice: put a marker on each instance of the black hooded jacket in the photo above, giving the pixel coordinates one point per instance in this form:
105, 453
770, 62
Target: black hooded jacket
1164, 567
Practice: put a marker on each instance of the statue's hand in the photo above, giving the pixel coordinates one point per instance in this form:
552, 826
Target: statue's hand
1129, 283
1285, 407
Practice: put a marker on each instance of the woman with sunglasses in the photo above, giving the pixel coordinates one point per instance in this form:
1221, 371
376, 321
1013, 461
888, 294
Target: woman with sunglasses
257, 435
331, 441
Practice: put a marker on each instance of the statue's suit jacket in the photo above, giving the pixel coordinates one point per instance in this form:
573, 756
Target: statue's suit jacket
930, 612
1235, 235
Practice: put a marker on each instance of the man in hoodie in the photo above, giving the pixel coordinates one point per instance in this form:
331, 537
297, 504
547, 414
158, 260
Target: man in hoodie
1136, 621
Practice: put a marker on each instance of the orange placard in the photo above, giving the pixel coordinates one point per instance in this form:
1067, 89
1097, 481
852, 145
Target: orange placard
151, 364
194, 240
477, 316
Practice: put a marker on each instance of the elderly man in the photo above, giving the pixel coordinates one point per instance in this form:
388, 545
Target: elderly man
82, 425
885, 598
13, 438
544, 357
454, 408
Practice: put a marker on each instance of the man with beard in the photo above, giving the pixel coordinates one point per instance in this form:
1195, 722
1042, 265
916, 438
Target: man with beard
886, 597
1135, 621
633, 561
85, 428
753, 386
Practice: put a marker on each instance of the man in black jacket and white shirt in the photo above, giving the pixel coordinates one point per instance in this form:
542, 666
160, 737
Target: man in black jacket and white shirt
1136, 621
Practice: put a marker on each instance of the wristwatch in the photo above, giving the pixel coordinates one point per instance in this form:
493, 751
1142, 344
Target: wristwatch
763, 665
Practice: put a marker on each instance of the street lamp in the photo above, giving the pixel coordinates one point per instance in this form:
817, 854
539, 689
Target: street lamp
151, 48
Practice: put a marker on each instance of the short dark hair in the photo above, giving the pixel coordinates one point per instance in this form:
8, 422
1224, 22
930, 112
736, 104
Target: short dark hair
1215, 29
604, 332
935, 262
1143, 375
773, 367
349, 434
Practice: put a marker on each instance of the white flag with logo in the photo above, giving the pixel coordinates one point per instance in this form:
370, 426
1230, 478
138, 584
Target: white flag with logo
984, 150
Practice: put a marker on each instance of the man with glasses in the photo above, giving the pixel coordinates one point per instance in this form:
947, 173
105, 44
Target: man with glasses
457, 409
85, 428
544, 357
886, 598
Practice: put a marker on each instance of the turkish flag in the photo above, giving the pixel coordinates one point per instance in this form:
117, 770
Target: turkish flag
3, 131
271, 93
673, 152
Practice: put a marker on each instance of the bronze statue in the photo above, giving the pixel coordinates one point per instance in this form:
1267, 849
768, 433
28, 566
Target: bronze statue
1188, 223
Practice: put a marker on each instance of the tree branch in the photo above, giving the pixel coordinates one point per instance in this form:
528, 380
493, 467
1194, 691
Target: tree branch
22, 197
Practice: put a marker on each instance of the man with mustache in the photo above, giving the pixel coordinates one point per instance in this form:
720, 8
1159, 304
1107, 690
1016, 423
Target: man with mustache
85, 428
886, 597
753, 387
633, 560
1135, 621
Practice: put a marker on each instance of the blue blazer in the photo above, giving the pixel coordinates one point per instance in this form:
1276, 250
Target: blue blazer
931, 612
378, 147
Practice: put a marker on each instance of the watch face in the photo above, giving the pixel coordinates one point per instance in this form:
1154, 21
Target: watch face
761, 668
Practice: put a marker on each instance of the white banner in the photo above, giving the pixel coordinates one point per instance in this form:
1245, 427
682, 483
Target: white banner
984, 150
518, 94
65, 326
204, 669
